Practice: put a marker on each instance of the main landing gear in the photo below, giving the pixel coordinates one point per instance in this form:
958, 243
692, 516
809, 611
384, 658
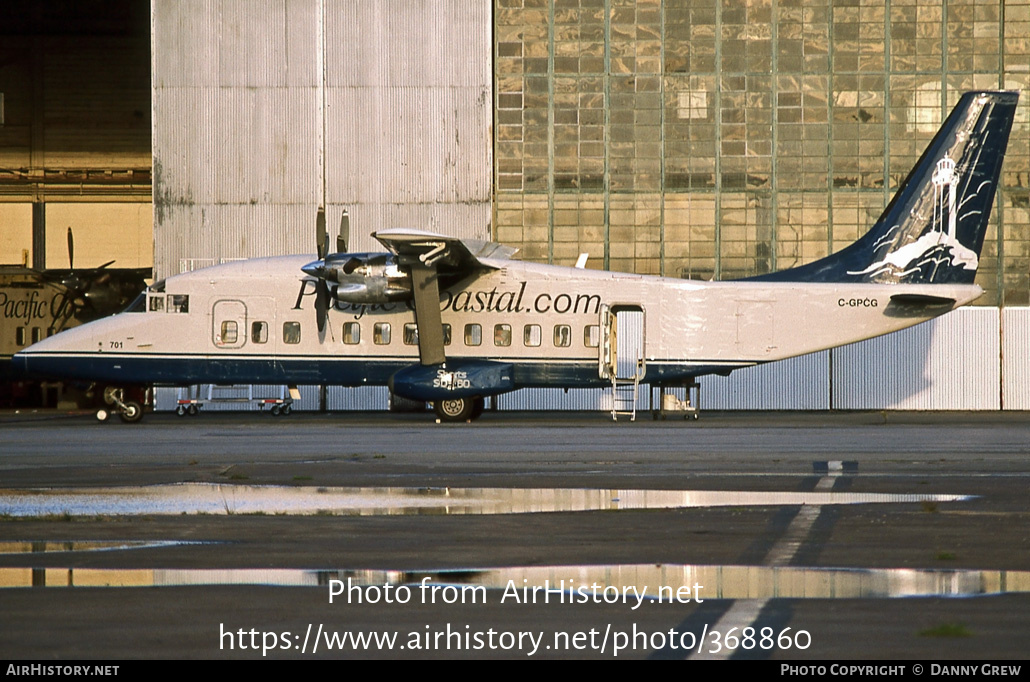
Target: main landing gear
123, 402
459, 409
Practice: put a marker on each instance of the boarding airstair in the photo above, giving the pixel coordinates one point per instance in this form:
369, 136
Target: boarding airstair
622, 356
624, 394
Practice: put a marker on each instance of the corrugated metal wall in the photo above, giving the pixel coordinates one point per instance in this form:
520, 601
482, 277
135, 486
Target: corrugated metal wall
796, 384
1015, 358
951, 363
238, 122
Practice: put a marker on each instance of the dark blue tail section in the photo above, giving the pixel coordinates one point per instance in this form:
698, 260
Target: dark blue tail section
933, 229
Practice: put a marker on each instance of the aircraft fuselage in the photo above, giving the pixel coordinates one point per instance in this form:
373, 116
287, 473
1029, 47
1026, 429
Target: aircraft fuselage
254, 322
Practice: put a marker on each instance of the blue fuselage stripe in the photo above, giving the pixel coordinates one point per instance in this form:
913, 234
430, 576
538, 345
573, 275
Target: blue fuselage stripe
182, 370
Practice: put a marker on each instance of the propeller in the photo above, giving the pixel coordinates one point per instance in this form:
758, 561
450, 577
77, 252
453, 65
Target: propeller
78, 296
322, 294
344, 237
321, 236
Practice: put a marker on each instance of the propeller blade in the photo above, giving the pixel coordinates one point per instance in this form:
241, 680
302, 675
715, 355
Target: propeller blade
71, 250
322, 304
321, 236
344, 237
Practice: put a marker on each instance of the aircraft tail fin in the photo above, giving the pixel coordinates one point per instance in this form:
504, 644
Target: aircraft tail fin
933, 229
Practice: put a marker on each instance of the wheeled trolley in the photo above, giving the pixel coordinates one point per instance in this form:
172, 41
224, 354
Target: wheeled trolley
670, 403
191, 399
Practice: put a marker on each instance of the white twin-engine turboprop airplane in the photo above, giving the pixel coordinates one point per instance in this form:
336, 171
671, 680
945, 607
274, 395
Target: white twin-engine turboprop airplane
451, 321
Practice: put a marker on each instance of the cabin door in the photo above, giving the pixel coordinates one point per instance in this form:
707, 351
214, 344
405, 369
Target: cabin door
622, 342
229, 324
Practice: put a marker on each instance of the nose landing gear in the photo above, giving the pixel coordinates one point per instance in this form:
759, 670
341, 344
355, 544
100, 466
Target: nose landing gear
128, 408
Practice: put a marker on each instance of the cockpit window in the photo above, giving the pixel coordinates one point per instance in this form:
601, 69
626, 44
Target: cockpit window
138, 305
157, 304
178, 303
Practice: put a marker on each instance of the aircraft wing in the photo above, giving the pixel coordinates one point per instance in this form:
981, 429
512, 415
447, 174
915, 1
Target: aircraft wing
426, 254
449, 254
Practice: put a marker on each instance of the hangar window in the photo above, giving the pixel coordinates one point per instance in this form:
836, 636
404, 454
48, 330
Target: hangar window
473, 335
381, 333
229, 332
259, 332
410, 334
291, 332
562, 335
502, 334
351, 333
178, 303
591, 336
531, 335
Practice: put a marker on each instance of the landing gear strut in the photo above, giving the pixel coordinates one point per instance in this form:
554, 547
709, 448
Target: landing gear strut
129, 409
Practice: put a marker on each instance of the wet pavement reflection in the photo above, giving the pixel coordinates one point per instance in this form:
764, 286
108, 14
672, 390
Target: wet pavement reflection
562, 584
205, 498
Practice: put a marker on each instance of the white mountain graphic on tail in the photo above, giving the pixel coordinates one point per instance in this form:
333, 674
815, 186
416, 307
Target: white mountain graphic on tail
940, 243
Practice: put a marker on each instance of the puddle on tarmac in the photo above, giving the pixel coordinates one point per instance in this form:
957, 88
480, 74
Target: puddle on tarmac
52, 546
205, 498
598, 583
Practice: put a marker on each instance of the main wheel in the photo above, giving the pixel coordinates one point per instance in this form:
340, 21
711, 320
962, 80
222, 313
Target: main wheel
181, 410
132, 412
454, 409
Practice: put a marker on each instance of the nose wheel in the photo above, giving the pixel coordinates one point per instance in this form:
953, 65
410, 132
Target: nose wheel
129, 410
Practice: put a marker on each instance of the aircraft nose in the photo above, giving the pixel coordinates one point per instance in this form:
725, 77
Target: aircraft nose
315, 269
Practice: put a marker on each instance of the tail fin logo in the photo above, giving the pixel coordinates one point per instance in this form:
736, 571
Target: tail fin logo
937, 246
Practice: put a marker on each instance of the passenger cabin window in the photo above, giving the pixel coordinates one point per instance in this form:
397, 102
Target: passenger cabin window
410, 334
531, 335
157, 304
229, 332
591, 336
291, 332
19, 336
259, 332
447, 335
178, 303
381, 333
562, 335
473, 335
37, 334
502, 335
351, 333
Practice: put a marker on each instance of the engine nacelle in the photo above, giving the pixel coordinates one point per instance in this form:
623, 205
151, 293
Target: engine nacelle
456, 379
363, 277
